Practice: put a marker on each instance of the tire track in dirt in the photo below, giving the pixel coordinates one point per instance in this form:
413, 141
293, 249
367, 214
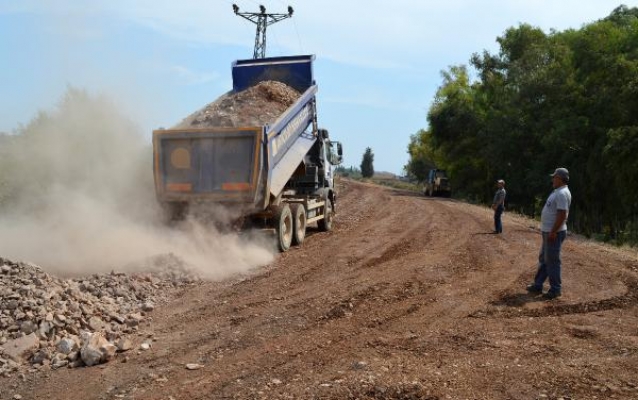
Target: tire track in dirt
553, 309
514, 297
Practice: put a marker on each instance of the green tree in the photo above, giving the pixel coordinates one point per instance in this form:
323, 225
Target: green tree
545, 100
367, 164
456, 124
421, 156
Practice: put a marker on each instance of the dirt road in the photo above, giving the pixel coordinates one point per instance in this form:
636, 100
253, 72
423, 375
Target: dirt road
407, 298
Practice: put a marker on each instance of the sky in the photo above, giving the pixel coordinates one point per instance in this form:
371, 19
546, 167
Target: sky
378, 63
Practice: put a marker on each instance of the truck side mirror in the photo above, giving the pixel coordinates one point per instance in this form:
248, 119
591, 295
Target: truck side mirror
336, 158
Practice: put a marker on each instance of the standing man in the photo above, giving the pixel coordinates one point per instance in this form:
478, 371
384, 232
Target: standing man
498, 205
553, 231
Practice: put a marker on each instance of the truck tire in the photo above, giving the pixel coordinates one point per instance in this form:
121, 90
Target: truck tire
282, 220
298, 223
174, 211
325, 224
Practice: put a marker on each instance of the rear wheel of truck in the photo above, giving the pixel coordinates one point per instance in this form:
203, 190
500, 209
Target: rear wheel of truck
298, 223
282, 219
325, 224
174, 211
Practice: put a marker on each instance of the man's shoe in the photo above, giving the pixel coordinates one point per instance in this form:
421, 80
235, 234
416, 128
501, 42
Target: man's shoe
551, 295
533, 289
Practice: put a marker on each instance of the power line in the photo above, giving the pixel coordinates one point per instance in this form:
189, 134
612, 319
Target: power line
294, 22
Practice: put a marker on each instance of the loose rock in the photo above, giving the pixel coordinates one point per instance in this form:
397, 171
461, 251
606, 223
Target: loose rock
258, 105
42, 316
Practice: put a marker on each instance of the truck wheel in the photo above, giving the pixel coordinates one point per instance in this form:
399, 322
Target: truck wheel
325, 224
298, 223
283, 226
174, 211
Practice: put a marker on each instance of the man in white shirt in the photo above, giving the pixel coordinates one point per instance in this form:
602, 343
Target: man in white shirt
553, 231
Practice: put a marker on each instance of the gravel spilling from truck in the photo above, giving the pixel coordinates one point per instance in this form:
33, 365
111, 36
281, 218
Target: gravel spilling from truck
46, 321
258, 105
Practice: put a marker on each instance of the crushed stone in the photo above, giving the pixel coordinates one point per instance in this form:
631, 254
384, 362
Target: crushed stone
46, 321
256, 106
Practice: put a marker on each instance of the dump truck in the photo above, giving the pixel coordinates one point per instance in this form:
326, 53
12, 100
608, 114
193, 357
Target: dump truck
437, 183
277, 173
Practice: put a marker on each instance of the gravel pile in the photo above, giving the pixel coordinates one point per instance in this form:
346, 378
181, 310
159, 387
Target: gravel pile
50, 322
256, 106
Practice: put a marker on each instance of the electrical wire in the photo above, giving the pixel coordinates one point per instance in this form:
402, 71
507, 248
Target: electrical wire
295, 26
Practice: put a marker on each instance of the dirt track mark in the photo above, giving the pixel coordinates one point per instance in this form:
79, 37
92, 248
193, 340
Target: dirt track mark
393, 253
556, 307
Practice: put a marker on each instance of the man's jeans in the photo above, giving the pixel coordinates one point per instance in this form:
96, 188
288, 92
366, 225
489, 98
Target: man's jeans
498, 224
549, 262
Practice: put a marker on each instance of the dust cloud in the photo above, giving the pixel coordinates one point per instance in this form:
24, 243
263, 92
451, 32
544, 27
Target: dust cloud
77, 197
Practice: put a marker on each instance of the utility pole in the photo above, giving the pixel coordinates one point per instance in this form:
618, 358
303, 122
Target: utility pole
262, 20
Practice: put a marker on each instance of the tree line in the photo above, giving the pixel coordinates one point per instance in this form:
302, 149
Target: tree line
546, 100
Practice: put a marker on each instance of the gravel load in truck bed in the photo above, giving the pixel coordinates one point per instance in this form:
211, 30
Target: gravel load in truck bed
258, 105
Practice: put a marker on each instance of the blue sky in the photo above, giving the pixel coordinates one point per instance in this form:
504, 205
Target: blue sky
378, 62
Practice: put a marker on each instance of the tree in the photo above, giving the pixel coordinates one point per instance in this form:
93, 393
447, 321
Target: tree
545, 100
421, 156
455, 135
367, 167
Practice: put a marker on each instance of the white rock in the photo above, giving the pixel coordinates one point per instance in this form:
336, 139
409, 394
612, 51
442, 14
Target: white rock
67, 345
28, 327
124, 344
96, 323
96, 350
17, 348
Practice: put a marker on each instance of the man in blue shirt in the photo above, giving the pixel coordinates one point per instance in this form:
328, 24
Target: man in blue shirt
498, 205
553, 231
